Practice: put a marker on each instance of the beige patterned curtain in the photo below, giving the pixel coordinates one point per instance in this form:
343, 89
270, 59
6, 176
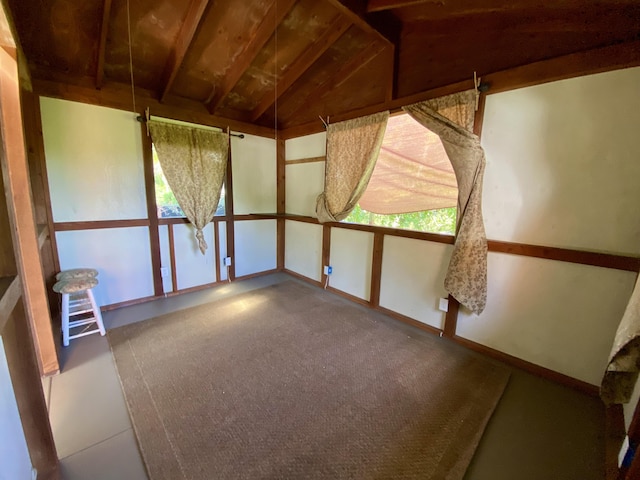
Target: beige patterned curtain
194, 160
451, 118
352, 151
621, 374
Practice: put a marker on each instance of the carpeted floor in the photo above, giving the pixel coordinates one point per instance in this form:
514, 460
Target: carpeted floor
290, 381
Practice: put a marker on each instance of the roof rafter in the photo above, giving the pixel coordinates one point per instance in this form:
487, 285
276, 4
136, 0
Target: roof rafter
380, 5
268, 26
355, 10
346, 71
301, 65
183, 42
102, 45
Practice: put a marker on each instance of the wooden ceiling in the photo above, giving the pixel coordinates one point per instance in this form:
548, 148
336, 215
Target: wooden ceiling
285, 62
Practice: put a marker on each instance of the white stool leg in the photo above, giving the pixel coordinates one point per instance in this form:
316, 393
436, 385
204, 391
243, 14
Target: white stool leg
65, 319
96, 312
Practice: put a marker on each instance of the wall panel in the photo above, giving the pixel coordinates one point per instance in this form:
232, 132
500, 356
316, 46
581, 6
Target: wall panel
255, 246
254, 174
351, 256
309, 146
303, 249
192, 268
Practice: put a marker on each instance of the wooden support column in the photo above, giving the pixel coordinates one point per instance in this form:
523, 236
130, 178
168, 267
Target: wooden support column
152, 211
376, 269
230, 217
281, 200
326, 250
17, 185
172, 258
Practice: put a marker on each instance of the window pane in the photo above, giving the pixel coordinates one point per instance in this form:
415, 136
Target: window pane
442, 220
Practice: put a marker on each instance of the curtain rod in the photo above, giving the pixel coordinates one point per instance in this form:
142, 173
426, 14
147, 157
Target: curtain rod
142, 119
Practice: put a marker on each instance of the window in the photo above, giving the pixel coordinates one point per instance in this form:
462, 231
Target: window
165, 199
413, 185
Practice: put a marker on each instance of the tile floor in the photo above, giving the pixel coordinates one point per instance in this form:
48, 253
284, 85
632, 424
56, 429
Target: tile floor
540, 430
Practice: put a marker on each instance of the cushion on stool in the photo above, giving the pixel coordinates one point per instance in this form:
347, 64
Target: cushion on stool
75, 285
77, 273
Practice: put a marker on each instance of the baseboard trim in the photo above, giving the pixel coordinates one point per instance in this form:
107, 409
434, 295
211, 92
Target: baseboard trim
614, 433
410, 321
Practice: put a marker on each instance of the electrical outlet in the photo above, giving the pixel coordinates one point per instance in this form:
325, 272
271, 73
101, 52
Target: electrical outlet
164, 271
328, 269
443, 305
227, 261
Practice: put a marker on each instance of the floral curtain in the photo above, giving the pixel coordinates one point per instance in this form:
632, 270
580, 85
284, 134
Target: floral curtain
451, 118
624, 361
194, 160
352, 150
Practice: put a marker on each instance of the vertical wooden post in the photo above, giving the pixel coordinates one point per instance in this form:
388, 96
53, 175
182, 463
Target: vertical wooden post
376, 269
172, 258
152, 211
216, 243
230, 217
281, 200
326, 250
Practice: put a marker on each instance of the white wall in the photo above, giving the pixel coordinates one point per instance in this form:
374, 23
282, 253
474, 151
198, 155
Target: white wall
304, 181
413, 278
303, 249
15, 463
94, 162
122, 257
255, 246
254, 174
192, 267
351, 256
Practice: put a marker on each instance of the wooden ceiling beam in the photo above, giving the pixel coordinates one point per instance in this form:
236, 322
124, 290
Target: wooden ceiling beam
279, 9
301, 65
118, 95
102, 45
381, 5
355, 11
346, 71
589, 62
183, 42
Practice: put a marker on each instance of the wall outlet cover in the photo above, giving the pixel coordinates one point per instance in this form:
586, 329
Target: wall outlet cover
164, 271
328, 269
227, 261
443, 305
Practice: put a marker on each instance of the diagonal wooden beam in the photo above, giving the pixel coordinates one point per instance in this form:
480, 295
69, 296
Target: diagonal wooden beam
102, 45
355, 10
270, 22
183, 42
301, 65
380, 5
346, 71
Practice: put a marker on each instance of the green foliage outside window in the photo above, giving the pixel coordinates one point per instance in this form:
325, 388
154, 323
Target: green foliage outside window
436, 221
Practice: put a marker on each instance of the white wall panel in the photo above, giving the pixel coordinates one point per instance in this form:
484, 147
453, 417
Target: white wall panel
193, 268
309, 146
562, 316
562, 163
94, 162
351, 256
305, 181
15, 463
303, 249
165, 258
412, 280
122, 257
255, 246
254, 174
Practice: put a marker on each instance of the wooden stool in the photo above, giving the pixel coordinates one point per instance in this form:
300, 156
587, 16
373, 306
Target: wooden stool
78, 300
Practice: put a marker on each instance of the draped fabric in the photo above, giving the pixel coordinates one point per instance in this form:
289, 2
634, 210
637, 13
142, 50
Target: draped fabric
624, 361
194, 161
352, 150
451, 118
413, 172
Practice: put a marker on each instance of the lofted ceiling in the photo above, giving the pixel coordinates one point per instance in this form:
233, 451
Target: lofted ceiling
285, 62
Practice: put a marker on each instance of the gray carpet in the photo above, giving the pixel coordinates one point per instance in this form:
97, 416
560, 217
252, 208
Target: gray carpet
290, 381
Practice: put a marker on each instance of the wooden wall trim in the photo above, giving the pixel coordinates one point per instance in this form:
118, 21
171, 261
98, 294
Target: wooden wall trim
376, 269
216, 247
614, 433
348, 296
10, 293
326, 252
451, 318
172, 259
303, 278
409, 321
281, 201
537, 370
230, 217
613, 57
99, 224
152, 210
305, 160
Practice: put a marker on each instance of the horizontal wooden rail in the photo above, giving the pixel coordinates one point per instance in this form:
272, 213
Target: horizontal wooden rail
98, 224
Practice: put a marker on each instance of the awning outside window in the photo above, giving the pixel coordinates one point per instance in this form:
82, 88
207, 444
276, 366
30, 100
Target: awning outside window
413, 172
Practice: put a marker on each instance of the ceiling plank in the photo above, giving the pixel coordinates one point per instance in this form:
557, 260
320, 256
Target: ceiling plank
185, 37
301, 65
355, 10
380, 5
104, 29
270, 22
346, 71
